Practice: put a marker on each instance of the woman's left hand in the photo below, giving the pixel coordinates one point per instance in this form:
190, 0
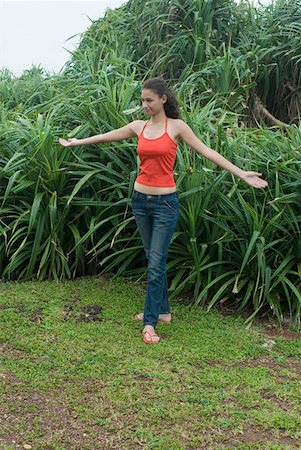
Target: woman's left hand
253, 179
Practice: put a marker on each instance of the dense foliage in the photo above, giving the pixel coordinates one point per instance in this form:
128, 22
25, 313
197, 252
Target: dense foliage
236, 70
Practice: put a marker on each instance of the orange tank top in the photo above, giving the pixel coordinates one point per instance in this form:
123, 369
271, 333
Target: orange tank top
157, 159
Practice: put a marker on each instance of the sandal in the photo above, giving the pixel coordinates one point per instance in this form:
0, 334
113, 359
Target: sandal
150, 341
136, 317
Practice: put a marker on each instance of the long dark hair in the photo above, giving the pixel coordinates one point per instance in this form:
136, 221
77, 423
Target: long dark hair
159, 87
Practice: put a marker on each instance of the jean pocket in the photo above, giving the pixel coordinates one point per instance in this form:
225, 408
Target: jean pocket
172, 205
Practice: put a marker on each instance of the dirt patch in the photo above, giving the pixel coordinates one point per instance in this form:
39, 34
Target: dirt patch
36, 316
274, 332
217, 438
90, 313
87, 313
53, 420
271, 363
262, 361
142, 377
19, 307
8, 350
271, 327
252, 435
280, 402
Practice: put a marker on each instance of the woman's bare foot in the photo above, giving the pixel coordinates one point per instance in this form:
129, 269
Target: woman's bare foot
149, 335
163, 318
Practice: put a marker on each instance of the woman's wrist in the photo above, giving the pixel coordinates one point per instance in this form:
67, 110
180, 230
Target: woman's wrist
241, 174
90, 140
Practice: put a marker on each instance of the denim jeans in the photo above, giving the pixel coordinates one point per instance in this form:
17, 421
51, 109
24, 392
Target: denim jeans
156, 218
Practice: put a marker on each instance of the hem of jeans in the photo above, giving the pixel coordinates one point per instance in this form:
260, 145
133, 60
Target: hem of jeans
151, 324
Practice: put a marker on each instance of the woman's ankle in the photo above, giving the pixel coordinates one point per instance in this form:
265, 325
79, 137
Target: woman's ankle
149, 328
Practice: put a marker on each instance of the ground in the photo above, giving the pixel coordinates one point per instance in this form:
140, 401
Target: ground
75, 374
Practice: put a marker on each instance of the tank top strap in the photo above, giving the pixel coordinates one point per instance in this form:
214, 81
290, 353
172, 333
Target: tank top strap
141, 134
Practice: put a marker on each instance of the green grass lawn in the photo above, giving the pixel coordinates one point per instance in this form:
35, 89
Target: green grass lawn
70, 382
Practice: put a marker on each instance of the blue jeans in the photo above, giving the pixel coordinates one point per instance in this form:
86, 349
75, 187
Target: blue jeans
156, 218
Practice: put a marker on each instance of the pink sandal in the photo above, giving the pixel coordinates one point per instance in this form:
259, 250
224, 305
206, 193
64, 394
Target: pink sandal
150, 341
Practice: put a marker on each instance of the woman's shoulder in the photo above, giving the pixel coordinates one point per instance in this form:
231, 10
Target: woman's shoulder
137, 126
177, 123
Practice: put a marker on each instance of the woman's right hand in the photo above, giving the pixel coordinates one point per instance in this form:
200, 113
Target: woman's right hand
72, 142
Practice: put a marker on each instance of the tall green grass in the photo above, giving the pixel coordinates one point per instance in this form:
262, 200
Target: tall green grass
66, 212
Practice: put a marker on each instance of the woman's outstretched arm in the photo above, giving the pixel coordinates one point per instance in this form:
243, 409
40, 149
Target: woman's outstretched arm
126, 132
188, 136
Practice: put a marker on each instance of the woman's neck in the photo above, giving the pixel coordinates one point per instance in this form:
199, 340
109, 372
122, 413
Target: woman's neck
158, 118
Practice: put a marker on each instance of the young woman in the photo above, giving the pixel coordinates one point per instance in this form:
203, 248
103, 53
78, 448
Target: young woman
155, 200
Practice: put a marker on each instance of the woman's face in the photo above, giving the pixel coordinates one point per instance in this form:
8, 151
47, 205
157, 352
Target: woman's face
152, 103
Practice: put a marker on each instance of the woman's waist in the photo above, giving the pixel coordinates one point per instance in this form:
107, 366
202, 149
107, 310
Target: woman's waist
154, 190
172, 197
